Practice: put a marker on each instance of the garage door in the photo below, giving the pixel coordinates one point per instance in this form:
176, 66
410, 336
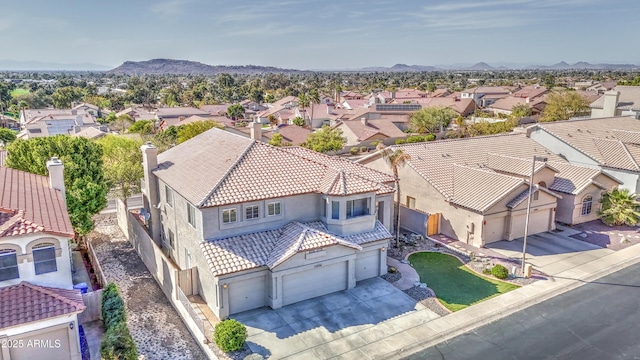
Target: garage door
315, 282
52, 345
494, 230
367, 265
538, 222
247, 294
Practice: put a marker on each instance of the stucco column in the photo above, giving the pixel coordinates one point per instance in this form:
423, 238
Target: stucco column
383, 261
276, 288
223, 309
351, 273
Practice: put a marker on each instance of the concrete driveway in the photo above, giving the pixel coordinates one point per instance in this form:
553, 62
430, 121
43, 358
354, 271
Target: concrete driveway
342, 325
551, 252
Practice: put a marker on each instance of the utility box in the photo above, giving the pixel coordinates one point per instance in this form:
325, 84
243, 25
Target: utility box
528, 269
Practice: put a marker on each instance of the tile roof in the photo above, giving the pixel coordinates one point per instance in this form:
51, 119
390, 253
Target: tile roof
3, 156
372, 128
609, 141
479, 189
530, 92
240, 166
461, 106
215, 109
90, 132
293, 134
179, 111
273, 247
573, 179
629, 98
25, 303
514, 165
31, 205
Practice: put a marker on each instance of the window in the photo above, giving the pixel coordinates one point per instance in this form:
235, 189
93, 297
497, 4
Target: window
587, 203
542, 184
273, 208
8, 265
44, 258
411, 202
229, 216
172, 239
536, 195
168, 195
335, 210
251, 212
191, 215
357, 207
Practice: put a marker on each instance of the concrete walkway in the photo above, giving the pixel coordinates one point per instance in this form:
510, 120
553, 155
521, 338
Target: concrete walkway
409, 274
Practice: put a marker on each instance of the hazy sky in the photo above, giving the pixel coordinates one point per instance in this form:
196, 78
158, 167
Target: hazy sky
327, 34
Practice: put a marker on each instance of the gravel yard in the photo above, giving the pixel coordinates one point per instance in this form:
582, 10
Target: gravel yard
610, 237
156, 327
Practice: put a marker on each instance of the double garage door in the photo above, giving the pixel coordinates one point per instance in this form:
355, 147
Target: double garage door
314, 282
50, 345
539, 221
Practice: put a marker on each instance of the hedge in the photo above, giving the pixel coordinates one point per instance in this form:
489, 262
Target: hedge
500, 271
400, 141
230, 335
117, 342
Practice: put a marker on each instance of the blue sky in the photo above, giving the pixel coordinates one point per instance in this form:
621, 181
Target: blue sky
328, 34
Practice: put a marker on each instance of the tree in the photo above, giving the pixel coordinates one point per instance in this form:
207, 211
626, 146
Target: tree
84, 180
235, 111
395, 159
620, 207
276, 140
519, 111
272, 119
64, 96
564, 105
122, 164
7, 136
325, 140
188, 131
431, 119
549, 81
143, 127
269, 98
121, 123
298, 121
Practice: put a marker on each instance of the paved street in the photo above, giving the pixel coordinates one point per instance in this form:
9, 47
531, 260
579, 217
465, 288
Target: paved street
596, 321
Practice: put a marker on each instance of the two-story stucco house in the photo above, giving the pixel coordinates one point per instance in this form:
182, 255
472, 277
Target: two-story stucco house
263, 225
38, 305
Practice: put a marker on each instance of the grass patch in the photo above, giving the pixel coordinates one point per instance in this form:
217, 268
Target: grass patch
455, 285
18, 92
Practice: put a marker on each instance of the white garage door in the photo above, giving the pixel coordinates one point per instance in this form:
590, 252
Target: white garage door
538, 222
494, 230
315, 282
367, 265
53, 345
247, 294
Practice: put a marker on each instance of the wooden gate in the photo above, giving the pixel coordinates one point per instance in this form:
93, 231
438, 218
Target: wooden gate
432, 224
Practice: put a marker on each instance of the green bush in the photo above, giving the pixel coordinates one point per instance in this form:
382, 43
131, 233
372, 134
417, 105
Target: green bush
354, 151
500, 271
113, 312
430, 137
230, 335
400, 141
364, 149
375, 143
109, 291
486, 271
117, 344
415, 139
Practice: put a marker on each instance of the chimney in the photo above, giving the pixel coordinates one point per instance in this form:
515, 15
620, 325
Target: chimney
393, 95
256, 131
610, 103
55, 167
527, 100
150, 191
74, 112
363, 120
330, 108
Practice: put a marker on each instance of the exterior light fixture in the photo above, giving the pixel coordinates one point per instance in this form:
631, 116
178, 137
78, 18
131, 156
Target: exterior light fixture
383, 249
224, 286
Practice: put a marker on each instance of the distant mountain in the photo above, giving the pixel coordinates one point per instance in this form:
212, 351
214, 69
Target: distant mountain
481, 66
184, 67
401, 68
13, 65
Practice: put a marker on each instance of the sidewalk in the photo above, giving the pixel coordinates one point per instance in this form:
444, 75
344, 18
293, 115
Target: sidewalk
450, 326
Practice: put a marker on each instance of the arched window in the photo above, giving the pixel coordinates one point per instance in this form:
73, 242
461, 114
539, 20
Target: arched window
44, 258
8, 264
542, 184
587, 203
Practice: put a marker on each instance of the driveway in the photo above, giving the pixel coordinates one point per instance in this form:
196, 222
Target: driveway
550, 252
341, 325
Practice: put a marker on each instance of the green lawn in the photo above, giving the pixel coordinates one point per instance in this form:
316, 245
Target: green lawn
18, 92
455, 285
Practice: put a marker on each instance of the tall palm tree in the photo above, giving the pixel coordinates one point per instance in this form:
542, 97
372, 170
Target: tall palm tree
619, 207
395, 159
303, 103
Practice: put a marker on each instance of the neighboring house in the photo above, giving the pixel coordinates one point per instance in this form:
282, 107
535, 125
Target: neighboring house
602, 87
8, 122
463, 107
264, 225
172, 116
216, 110
610, 144
137, 113
359, 132
485, 95
50, 122
505, 105
282, 110
37, 299
318, 115
87, 108
479, 186
291, 134
92, 132
355, 104
621, 101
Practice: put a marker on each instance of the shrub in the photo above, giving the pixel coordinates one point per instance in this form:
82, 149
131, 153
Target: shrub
375, 143
430, 137
364, 149
118, 343
500, 271
486, 271
400, 141
392, 270
353, 151
415, 139
113, 312
230, 335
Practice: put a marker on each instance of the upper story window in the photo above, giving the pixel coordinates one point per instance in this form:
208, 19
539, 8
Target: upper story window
536, 195
229, 216
587, 204
251, 212
335, 209
411, 202
358, 207
168, 194
172, 239
274, 208
191, 215
44, 258
8, 264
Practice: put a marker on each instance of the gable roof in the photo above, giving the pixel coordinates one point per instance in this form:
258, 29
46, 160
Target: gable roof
240, 166
176, 112
573, 179
273, 247
25, 303
471, 190
373, 127
293, 134
629, 98
29, 205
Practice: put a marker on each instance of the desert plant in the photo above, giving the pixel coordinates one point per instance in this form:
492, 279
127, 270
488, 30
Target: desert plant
486, 271
374, 143
500, 271
415, 139
364, 149
619, 206
118, 344
430, 137
400, 141
230, 335
354, 151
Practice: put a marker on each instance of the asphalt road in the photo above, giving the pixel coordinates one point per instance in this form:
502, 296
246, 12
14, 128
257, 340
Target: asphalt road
600, 320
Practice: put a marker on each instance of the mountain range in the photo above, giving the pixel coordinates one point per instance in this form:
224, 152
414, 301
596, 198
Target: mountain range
483, 66
181, 67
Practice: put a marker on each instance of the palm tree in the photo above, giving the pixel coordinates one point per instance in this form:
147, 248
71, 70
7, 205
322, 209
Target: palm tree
395, 159
303, 103
619, 207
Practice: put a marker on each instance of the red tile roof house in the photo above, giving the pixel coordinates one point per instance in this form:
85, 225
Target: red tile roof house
37, 299
264, 225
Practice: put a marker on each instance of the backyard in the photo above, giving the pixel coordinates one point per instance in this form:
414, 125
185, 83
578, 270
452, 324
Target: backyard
455, 285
